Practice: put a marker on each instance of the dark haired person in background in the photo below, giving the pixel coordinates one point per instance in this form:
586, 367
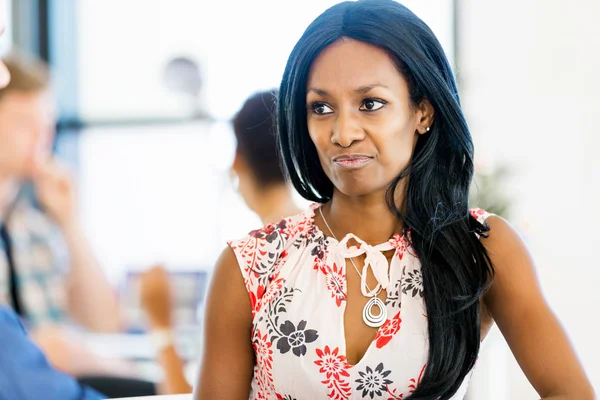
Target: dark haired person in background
386, 288
261, 181
263, 187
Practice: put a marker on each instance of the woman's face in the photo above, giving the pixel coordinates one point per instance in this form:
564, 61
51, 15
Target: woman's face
360, 117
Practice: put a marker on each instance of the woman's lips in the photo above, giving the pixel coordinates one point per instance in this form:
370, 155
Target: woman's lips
352, 161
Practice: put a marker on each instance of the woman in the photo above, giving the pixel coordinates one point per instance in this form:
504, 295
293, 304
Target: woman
261, 182
371, 128
263, 187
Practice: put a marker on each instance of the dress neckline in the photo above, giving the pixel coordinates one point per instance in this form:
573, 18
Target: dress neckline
397, 240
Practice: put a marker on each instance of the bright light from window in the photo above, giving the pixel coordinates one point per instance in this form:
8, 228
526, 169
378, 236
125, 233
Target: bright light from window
242, 48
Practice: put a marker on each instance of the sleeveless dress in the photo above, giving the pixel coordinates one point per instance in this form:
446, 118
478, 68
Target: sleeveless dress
296, 279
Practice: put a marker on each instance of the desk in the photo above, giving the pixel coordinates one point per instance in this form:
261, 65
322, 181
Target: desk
139, 349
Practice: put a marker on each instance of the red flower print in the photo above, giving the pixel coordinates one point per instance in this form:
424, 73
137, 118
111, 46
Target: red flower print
334, 366
272, 290
394, 394
261, 258
477, 212
255, 299
387, 331
263, 351
264, 379
253, 303
298, 226
414, 382
399, 243
340, 390
253, 250
336, 284
264, 364
320, 265
260, 291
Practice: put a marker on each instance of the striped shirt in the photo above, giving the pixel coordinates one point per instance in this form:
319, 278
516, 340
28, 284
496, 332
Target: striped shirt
40, 262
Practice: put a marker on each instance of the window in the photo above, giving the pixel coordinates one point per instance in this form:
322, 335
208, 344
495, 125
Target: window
161, 192
123, 48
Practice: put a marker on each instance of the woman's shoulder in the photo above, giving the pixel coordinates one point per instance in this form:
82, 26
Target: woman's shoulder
271, 242
275, 235
261, 253
502, 239
480, 214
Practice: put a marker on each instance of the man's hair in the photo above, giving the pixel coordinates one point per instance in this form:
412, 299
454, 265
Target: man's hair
27, 74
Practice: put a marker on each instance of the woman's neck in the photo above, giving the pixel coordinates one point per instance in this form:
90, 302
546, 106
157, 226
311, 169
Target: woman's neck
274, 204
367, 217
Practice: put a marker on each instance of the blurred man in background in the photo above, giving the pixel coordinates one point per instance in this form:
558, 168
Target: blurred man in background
24, 371
48, 273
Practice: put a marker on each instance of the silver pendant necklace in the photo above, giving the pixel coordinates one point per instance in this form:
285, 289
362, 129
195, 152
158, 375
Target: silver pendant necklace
369, 317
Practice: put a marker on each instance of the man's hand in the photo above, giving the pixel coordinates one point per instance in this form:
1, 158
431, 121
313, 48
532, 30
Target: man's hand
56, 192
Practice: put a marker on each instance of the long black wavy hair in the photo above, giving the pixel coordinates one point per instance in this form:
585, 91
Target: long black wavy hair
445, 237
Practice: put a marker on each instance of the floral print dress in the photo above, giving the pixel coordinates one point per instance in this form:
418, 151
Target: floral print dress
296, 279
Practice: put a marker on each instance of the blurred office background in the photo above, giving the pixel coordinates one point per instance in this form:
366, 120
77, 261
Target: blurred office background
146, 89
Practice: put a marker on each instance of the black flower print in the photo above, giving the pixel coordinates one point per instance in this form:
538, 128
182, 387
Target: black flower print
413, 281
318, 251
271, 232
285, 397
275, 309
373, 382
310, 237
295, 338
393, 296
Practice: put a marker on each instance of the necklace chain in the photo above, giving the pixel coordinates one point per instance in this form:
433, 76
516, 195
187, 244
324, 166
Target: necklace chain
351, 260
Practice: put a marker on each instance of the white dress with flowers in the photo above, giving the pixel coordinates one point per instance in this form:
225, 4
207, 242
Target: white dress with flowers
296, 280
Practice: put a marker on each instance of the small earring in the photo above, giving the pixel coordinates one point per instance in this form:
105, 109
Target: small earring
428, 128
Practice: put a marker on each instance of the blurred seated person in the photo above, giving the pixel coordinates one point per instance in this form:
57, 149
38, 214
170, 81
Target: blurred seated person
22, 363
157, 301
48, 274
26, 374
261, 181
264, 189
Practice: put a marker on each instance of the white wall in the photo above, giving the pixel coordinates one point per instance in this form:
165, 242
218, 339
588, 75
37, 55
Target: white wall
160, 194
530, 78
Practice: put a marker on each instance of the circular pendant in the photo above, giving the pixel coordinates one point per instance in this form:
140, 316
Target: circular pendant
372, 320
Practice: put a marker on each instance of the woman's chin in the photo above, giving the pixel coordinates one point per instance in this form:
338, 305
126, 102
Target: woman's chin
357, 189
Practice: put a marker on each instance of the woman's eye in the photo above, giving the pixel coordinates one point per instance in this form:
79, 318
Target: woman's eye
321, 108
372, 105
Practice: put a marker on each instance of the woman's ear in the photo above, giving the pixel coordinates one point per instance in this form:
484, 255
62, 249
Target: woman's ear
237, 162
425, 116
